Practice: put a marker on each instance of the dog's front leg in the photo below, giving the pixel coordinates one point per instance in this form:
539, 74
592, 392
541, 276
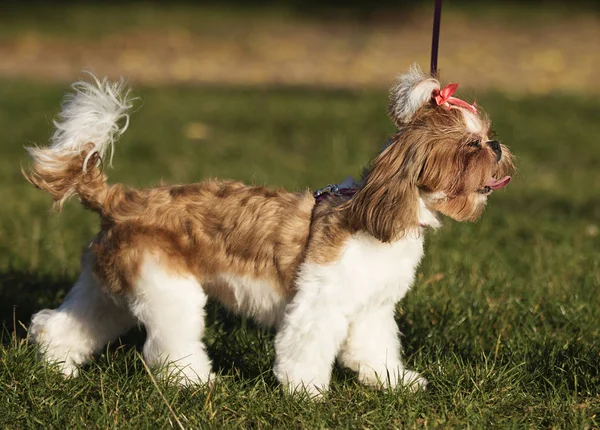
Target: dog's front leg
310, 336
372, 349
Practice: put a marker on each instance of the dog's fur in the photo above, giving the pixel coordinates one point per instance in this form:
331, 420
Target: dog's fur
327, 275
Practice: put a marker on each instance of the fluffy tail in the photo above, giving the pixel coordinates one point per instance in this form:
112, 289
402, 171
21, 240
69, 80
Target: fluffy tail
86, 131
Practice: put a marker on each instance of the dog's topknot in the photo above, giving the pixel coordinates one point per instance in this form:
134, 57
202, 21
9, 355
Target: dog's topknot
412, 90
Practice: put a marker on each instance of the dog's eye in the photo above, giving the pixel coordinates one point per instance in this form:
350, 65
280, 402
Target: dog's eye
475, 144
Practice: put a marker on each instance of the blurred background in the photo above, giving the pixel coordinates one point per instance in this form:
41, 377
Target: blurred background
533, 47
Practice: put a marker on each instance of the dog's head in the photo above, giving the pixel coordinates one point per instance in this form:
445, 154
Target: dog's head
442, 153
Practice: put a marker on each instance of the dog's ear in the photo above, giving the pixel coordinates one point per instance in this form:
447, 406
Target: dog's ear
411, 92
387, 204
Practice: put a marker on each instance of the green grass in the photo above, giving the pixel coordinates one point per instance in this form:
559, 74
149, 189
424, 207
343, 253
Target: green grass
503, 318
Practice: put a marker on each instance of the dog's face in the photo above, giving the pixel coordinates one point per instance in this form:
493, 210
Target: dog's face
459, 164
442, 153
455, 163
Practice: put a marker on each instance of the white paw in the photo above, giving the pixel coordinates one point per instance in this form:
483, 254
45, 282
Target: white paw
52, 351
185, 376
192, 379
37, 330
300, 386
307, 390
67, 368
387, 378
413, 380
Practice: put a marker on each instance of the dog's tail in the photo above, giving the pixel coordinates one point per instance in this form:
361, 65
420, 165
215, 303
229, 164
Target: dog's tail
91, 120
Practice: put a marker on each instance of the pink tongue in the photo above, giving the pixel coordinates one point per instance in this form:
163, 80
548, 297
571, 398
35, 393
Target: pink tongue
496, 184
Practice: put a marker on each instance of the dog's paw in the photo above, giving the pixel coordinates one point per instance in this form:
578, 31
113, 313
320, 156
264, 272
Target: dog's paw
51, 348
413, 381
184, 376
308, 391
37, 328
392, 379
303, 384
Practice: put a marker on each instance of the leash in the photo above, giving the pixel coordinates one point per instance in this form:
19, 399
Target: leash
435, 38
333, 189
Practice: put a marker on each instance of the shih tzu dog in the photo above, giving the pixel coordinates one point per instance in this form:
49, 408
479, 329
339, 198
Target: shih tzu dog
326, 271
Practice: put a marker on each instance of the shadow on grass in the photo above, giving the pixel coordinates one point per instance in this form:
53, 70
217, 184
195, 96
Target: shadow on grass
237, 347
23, 293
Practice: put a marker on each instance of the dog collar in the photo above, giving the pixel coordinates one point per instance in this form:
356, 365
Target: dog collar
333, 190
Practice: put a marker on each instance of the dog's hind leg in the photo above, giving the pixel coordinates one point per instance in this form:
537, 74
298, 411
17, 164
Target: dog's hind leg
171, 307
87, 320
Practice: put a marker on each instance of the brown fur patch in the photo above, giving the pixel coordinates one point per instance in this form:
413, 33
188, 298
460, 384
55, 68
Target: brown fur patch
387, 203
65, 176
203, 229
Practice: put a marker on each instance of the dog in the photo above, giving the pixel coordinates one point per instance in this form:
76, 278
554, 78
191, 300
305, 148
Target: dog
326, 272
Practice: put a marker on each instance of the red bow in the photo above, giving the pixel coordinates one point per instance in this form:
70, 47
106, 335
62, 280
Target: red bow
444, 96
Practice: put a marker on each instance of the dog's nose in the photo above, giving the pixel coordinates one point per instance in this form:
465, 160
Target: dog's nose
495, 145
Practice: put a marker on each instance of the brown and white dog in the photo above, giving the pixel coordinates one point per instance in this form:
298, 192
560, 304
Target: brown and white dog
326, 274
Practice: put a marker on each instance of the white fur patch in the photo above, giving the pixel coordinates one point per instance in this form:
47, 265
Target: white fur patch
256, 298
428, 217
473, 122
86, 321
372, 349
368, 274
90, 115
412, 90
171, 307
